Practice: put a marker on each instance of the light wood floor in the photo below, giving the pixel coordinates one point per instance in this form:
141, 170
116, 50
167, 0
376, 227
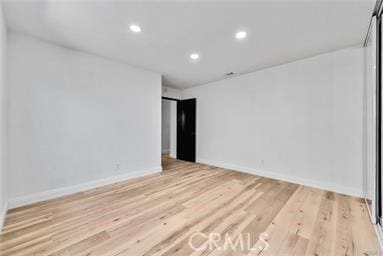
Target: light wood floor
157, 214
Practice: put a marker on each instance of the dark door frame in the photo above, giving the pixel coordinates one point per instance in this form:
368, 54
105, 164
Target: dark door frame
178, 132
167, 98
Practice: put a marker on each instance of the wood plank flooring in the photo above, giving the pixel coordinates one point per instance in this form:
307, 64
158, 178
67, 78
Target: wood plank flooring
158, 214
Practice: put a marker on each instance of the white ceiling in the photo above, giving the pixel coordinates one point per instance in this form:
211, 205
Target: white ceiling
278, 32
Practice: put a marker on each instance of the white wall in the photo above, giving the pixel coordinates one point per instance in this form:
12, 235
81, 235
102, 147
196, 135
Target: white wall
76, 118
173, 129
165, 141
171, 93
302, 121
3, 119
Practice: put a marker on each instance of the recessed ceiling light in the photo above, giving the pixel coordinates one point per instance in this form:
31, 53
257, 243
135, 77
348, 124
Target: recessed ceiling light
194, 56
135, 28
241, 35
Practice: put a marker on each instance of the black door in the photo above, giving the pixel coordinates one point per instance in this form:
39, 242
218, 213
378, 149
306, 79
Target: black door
186, 113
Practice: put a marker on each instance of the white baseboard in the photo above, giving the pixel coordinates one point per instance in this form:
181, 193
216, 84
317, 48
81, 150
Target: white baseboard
49, 194
3, 214
165, 151
288, 178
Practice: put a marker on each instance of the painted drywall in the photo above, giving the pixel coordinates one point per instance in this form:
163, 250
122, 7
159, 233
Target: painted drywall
171, 93
301, 121
165, 131
77, 118
173, 129
278, 31
3, 119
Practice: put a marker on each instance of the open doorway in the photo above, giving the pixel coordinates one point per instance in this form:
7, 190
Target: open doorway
169, 127
178, 138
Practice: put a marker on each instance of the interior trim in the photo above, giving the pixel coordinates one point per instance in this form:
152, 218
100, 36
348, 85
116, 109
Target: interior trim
3, 214
54, 193
292, 179
378, 121
378, 8
167, 98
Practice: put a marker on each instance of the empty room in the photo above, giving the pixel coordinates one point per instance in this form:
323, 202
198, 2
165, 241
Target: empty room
225, 127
